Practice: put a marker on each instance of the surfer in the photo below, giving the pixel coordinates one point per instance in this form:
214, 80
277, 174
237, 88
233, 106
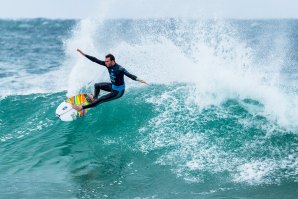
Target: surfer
117, 86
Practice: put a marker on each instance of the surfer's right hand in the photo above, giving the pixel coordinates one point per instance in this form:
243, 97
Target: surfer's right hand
80, 51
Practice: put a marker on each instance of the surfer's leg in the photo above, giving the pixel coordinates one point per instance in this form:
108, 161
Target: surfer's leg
108, 97
101, 86
115, 95
90, 97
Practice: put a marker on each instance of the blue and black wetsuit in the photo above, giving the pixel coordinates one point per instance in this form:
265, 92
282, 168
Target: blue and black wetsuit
116, 88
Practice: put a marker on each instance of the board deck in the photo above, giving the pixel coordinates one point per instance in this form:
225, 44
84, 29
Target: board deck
65, 112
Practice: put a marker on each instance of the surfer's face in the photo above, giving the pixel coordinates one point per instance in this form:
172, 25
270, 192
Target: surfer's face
109, 63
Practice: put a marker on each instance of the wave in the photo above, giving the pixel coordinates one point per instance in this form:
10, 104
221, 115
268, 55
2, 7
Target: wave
226, 142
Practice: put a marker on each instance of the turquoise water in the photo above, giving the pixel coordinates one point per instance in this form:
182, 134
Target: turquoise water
218, 120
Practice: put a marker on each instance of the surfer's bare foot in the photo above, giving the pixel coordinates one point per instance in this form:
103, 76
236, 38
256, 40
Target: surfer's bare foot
76, 107
91, 97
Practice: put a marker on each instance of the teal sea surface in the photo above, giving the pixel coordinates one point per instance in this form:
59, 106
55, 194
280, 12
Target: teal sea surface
218, 120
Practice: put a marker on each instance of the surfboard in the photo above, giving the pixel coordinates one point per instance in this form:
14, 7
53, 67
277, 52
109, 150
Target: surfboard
66, 113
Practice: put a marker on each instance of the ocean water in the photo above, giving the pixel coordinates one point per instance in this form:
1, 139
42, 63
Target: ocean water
218, 120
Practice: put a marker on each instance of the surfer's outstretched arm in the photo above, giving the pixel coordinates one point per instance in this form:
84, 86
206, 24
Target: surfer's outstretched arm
133, 77
94, 59
140, 80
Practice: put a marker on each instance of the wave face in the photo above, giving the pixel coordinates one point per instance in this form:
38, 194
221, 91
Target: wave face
219, 118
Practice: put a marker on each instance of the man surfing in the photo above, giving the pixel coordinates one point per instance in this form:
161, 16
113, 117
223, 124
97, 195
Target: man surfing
117, 86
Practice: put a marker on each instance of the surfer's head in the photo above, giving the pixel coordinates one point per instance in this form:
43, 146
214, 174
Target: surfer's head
110, 60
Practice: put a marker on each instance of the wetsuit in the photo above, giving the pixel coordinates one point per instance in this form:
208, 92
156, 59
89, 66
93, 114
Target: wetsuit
116, 88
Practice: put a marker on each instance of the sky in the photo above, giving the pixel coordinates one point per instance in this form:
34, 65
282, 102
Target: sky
80, 9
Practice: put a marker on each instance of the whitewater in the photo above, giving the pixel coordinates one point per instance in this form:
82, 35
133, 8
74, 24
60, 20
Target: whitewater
219, 118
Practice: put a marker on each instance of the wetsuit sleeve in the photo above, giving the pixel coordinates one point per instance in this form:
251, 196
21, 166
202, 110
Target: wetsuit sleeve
131, 76
94, 59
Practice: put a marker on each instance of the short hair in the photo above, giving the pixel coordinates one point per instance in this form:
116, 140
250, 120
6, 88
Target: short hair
112, 58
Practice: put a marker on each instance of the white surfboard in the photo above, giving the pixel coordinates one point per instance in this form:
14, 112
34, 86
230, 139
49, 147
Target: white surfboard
65, 112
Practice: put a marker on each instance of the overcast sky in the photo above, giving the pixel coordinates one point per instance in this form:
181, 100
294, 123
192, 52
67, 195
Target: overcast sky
79, 9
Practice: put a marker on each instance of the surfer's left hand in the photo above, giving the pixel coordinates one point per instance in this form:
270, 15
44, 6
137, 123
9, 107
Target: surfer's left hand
76, 107
142, 81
